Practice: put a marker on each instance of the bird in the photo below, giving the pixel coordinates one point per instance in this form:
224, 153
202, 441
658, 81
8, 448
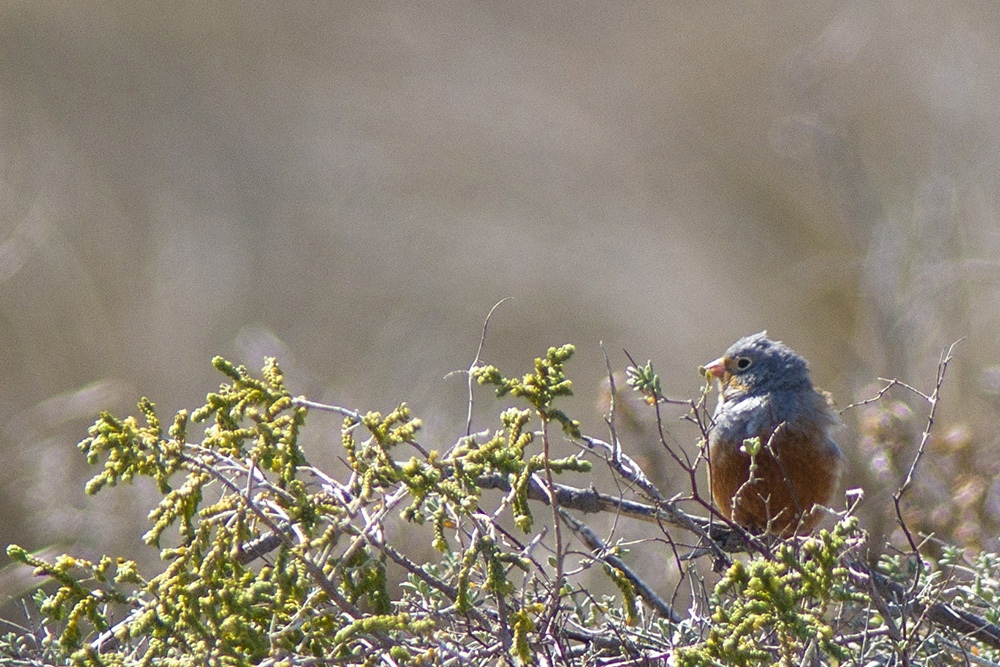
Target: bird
765, 393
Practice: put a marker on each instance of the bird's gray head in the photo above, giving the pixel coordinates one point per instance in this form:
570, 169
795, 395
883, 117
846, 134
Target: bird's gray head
756, 365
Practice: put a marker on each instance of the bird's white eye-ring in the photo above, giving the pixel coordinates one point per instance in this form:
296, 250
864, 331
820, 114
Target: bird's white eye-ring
743, 363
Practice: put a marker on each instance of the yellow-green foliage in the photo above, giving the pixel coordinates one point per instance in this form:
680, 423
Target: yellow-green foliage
322, 591
768, 609
207, 605
540, 388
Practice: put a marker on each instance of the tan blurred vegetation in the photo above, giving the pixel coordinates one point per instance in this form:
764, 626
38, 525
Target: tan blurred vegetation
351, 186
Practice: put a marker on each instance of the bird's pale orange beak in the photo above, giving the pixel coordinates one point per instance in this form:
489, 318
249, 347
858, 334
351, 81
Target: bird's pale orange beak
715, 368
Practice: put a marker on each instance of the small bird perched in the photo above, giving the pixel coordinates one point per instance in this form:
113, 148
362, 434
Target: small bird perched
765, 392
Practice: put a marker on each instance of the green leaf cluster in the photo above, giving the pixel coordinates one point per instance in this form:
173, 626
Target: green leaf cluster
266, 556
540, 388
767, 611
239, 484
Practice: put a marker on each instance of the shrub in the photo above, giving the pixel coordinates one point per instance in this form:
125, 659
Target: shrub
272, 561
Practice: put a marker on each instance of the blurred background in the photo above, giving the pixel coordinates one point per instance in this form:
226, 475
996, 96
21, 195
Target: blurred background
352, 186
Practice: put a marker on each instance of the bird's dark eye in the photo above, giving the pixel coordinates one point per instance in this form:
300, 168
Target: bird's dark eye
743, 363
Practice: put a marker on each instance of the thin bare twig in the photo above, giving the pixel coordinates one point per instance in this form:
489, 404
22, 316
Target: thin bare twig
609, 418
353, 415
556, 528
932, 399
889, 384
475, 362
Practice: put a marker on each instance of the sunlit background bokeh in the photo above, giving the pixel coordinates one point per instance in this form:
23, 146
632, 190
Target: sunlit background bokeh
352, 186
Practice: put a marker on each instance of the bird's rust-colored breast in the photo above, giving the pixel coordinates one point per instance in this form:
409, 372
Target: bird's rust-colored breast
796, 468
